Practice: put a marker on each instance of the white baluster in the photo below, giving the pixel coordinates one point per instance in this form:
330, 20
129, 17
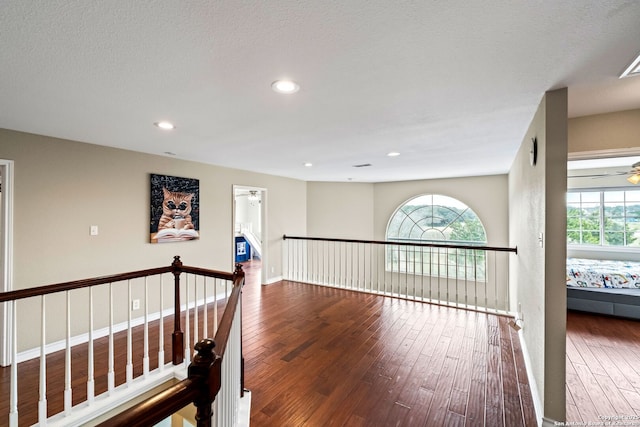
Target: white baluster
111, 376
195, 310
161, 328
205, 321
67, 360
90, 367
145, 358
129, 368
215, 306
187, 340
13, 395
42, 403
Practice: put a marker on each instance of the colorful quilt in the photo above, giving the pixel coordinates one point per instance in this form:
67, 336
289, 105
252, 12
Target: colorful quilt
591, 273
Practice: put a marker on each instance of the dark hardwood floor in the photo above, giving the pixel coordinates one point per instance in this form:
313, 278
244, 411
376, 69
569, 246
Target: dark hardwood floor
603, 369
318, 356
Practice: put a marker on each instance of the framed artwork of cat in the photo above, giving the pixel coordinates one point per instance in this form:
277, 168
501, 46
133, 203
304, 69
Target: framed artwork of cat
175, 209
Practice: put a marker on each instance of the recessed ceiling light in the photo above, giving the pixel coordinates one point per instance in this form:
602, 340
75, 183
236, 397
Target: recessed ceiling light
393, 154
165, 125
285, 86
308, 164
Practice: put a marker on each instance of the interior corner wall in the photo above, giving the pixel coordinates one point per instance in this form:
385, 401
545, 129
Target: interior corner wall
537, 206
63, 187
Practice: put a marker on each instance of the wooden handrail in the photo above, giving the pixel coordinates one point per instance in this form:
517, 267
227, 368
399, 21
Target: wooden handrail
146, 413
401, 243
84, 283
78, 284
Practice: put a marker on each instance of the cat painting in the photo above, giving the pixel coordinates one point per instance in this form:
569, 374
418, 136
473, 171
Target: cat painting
176, 210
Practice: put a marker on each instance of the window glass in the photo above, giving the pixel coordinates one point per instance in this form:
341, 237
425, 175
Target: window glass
436, 218
604, 218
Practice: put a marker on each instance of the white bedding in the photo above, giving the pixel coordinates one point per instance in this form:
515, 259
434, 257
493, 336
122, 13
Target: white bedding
590, 273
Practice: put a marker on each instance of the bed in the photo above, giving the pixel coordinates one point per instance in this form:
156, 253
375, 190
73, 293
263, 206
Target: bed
604, 287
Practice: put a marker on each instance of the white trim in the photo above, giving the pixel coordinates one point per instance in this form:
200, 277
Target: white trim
6, 251
597, 154
103, 332
537, 404
244, 413
273, 280
123, 394
264, 234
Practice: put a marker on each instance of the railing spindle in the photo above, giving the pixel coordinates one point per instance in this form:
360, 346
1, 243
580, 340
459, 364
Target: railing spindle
161, 327
145, 351
195, 311
215, 306
129, 367
187, 326
13, 395
67, 357
42, 403
111, 376
90, 363
205, 321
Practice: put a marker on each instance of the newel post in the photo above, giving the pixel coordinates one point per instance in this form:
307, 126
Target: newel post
206, 371
177, 338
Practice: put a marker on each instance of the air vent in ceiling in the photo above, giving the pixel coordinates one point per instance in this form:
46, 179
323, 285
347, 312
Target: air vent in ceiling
364, 165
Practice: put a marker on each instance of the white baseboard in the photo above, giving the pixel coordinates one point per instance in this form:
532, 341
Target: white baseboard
537, 404
103, 332
546, 422
244, 413
273, 280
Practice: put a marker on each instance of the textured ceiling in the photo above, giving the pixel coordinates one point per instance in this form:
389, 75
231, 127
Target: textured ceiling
450, 85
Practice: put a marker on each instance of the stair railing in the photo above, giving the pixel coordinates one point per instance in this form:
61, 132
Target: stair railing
468, 276
215, 380
110, 303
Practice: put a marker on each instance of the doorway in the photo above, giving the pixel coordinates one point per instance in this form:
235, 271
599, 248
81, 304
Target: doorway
6, 252
250, 227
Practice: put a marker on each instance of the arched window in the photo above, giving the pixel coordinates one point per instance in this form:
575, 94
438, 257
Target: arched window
435, 218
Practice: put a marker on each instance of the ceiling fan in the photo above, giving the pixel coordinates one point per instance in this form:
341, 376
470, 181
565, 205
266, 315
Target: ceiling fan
634, 174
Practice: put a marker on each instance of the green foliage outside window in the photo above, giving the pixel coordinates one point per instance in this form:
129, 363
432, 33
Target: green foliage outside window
604, 218
437, 219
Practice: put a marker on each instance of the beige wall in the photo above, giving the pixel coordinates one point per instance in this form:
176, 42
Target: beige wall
63, 187
537, 205
362, 211
340, 210
612, 131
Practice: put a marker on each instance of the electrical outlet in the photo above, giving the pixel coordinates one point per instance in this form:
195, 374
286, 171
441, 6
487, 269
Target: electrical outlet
135, 304
94, 230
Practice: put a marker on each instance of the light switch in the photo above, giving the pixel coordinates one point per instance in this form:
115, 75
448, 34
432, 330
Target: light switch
94, 230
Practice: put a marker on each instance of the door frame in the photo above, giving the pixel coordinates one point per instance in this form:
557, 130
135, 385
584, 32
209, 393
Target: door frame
264, 230
6, 259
